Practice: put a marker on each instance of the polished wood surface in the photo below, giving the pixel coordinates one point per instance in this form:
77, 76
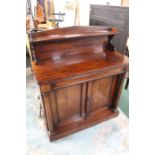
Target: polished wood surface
71, 32
100, 92
81, 86
57, 44
70, 67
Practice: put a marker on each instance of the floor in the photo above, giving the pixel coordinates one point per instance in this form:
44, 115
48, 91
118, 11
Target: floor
107, 138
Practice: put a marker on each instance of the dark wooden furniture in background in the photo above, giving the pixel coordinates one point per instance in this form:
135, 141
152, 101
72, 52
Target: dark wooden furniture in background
115, 16
80, 77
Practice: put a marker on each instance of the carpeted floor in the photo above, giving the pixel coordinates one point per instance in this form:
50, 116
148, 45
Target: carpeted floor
107, 138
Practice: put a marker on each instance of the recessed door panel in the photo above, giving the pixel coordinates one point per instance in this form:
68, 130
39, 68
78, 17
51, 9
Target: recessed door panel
66, 104
68, 101
100, 93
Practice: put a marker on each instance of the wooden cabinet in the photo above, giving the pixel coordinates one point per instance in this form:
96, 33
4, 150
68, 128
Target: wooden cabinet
71, 108
80, 82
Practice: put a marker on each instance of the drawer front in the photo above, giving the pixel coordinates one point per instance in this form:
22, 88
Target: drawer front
87, 77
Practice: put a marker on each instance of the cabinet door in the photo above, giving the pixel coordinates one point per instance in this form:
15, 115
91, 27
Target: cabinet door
99, 93
67, 104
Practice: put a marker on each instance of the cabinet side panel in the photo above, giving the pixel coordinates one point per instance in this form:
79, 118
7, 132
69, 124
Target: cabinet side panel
48, 111
113, 87
54, 108
117, 91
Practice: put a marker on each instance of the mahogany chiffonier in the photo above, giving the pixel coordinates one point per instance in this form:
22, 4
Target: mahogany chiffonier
80, 76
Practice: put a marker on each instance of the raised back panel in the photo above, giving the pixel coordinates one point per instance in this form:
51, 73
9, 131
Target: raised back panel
63, 42
61, 49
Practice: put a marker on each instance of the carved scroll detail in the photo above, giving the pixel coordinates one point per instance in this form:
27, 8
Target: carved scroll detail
110, 46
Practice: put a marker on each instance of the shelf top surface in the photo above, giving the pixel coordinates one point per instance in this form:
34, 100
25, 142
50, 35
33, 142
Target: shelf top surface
71, 33
77, 65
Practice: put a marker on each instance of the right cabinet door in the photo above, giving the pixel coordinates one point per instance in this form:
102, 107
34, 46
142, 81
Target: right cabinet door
100, 94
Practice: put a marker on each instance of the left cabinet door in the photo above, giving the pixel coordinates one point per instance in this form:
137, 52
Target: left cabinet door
65, 105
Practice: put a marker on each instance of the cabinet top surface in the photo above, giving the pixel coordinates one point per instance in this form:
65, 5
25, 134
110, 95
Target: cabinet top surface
77, 65
71, 32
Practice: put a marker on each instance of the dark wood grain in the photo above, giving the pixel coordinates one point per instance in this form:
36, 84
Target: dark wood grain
71, 33
75, 126
116, 16
58, 44
100, 93
80, 80
71, 66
